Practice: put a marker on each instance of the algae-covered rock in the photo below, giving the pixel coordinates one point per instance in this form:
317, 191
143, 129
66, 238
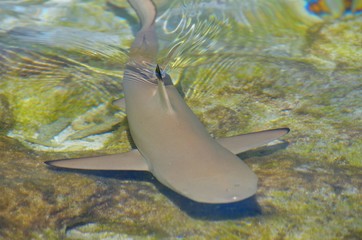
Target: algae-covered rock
338, 42
49, 92
51, 74
6, 115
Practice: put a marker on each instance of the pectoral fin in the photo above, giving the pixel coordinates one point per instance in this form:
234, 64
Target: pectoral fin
132, 160
243, 142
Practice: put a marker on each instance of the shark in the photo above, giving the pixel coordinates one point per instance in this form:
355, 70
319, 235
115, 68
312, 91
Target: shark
171, 141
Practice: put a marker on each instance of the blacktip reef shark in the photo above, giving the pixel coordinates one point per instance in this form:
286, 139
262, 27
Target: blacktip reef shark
171, 141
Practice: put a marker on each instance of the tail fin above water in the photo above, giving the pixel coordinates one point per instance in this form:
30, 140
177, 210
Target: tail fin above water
145, 46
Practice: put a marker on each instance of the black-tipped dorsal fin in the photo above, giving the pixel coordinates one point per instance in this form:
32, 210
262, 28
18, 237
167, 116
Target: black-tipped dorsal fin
121, 103
162, 91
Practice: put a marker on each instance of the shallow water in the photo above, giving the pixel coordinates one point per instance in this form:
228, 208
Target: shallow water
242, 67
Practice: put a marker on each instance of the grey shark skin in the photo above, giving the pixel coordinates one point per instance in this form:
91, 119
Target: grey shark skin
171, 142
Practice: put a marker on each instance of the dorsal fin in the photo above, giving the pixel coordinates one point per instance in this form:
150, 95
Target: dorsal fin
162, 91
121, 103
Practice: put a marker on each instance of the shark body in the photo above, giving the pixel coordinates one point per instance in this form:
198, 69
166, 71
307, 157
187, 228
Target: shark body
171, 141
